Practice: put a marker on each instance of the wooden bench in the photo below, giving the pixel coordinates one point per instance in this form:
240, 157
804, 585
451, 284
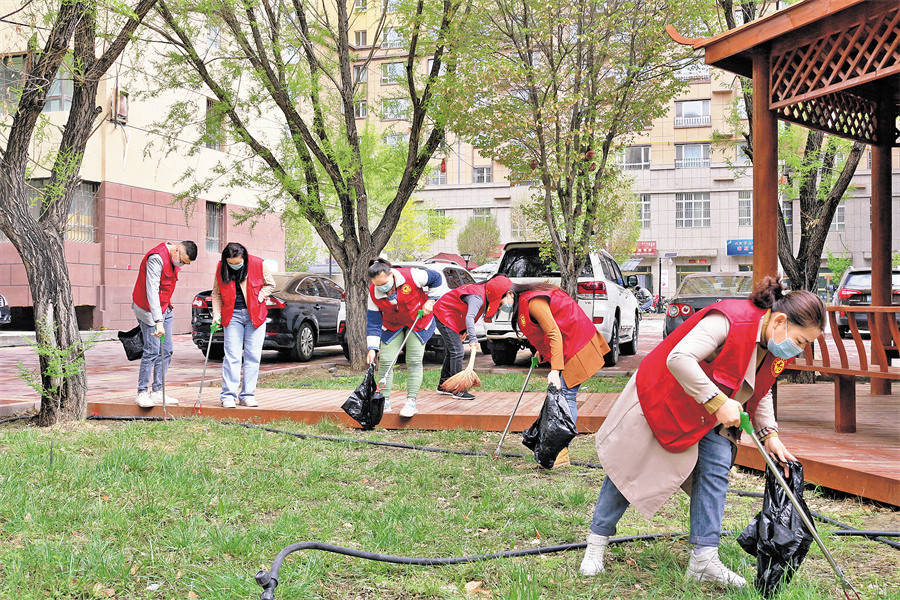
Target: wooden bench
882, 320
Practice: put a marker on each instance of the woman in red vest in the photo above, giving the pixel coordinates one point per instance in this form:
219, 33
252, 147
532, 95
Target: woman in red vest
395, 297
557, 328
239, 295
675, 423
456, 313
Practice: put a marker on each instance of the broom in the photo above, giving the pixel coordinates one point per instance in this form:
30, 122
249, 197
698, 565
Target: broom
464, 380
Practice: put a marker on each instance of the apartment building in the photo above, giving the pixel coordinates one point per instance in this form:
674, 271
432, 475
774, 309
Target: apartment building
126, 202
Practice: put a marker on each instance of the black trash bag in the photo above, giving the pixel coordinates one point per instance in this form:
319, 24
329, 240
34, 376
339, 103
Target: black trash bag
133, 342
552, 431
366, 405
777, 536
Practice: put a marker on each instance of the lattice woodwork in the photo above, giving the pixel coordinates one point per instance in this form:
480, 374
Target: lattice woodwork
861, 51
840, 113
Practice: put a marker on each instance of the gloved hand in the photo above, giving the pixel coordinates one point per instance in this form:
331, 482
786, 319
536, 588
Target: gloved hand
553, 379
262, 297
215, 326
473, 347
370, 357
160, 331
729, 414
426, 308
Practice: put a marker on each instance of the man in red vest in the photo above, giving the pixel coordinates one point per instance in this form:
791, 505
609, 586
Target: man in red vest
152, 305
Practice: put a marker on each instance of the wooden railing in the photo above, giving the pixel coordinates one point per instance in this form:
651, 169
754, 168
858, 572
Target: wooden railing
882, 323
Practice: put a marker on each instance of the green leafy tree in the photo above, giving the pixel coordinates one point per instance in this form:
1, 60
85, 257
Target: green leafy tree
895, 259
816, 171
480, 237
838, 265
290, 66
301, 247
86, 38
571, 82
417, 229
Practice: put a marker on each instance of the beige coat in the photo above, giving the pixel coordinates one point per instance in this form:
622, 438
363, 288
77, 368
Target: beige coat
646, 473
264, 292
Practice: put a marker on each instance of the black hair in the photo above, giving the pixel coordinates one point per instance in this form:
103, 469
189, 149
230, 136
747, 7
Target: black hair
377, 266
234, 250
520, 288
190, 248
802, 308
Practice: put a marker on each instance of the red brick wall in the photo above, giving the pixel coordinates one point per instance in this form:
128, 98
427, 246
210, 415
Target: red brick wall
129, 221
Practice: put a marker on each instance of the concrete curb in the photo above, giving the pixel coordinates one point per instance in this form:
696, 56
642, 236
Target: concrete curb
9, 339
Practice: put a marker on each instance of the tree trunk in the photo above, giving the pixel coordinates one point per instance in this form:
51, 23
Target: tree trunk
357, 300
56, 326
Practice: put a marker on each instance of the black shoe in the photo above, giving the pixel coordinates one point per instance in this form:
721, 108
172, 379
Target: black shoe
442, 391
464, 396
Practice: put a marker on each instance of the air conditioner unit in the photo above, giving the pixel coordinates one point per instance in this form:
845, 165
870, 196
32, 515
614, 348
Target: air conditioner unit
118, 107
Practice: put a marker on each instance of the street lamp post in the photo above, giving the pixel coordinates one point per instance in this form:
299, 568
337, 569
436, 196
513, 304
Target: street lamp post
466, 258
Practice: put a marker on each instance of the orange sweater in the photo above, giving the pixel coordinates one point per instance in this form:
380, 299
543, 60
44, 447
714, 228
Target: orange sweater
580, 367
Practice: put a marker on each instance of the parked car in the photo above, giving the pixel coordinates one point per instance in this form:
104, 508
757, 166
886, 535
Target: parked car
699, 290
5, 313
306, 311
602, 293
485, 271
855, 289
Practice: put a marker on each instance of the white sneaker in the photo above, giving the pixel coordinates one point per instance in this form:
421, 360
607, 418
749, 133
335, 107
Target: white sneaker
143, 399
707, 567
409, 409
158, 398
248, 401
228, 403
387, 406
592, 563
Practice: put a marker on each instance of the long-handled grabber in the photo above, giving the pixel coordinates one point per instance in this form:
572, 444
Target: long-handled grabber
534, 362
383, 379
162, 372
846, 586
213, 328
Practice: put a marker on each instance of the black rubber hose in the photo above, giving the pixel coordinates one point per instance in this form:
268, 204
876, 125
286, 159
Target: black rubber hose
268, 580
865, 533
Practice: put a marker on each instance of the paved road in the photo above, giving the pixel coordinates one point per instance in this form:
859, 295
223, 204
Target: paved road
108, 370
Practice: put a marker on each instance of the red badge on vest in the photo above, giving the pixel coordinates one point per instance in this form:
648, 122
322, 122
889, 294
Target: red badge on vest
405, 289
777, 366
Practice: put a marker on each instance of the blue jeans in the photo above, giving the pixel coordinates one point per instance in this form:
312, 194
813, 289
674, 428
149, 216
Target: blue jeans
708, 489
242, 340
150, 360
571, 394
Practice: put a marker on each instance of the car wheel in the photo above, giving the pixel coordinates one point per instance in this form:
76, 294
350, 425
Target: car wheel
844, 332
217, 352
346, 350
504, 353
304, 343
631, 348
485, 347
612, 357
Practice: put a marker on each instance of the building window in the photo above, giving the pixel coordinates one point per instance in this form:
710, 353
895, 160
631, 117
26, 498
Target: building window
360, 109
636, 158
436, 177
213, 137
396, 139
692, 69
741, 108
213, 35
691, 155
80, 221
215, 226
12, 80
392, 6
837, 223
481, 213
691, 210
394, 109
359, 5
392, 72
692, 113
391, 38
481, 175
741, 157
745, 208
361, 38
644, 210
442, 70
787, 209
360, 74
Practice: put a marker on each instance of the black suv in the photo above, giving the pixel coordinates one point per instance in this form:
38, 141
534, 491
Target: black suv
305, 311
855, 289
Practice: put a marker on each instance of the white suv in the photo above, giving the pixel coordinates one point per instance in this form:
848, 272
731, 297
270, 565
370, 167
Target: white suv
602, 293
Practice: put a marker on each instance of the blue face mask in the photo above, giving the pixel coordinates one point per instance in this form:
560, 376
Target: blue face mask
786, 349
505, 308
236, 267
385, 288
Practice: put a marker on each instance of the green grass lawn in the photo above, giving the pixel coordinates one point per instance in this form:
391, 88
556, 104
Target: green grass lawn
490, 382
192, 509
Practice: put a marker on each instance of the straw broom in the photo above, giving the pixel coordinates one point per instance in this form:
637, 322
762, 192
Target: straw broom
464, 380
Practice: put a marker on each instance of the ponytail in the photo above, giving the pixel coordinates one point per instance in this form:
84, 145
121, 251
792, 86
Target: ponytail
802, 308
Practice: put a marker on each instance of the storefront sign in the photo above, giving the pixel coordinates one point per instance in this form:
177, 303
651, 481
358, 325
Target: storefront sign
645, 248
739, 247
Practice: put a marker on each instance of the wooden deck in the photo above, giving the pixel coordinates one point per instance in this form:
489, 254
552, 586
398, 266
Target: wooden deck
866, 463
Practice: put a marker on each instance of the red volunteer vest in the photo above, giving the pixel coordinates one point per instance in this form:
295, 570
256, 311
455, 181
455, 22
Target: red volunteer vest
677, 420
576, 327
410, 299
255, 282
451, 310
167, 280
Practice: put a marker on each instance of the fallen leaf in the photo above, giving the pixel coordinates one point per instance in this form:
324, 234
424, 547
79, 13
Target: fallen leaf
630, 562
28, 517
104, 497
152, 587
133, 569
473, 587
192, 595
